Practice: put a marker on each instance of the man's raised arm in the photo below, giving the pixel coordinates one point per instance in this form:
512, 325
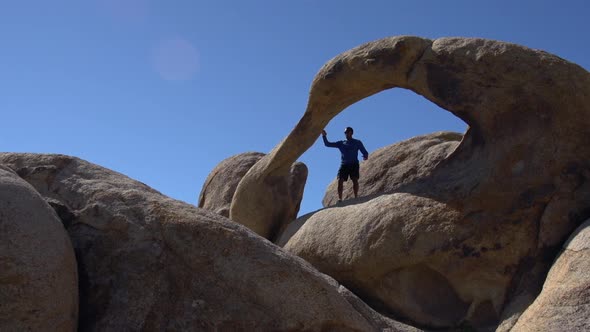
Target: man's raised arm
326, 143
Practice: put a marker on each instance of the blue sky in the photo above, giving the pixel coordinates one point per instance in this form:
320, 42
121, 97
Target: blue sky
162, 91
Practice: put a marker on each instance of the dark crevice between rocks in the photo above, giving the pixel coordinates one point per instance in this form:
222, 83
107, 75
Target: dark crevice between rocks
277, 228
578, 217
63, 212
484, 315
86, 312
528, 279
524, 288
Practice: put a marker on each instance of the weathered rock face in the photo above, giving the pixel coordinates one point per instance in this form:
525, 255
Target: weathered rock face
38, 280
564, 303
147, 262
393, 166
220, 186
509, 194
414, 255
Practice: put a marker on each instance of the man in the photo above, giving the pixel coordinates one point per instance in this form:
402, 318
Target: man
349, 166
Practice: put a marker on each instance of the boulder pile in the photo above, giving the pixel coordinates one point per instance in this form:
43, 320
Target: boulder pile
486, 230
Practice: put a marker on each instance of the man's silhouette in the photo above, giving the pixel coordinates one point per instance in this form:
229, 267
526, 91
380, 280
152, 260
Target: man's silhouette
349, 166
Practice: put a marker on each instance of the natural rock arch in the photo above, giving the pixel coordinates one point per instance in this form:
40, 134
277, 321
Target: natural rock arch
493, 86
513, 190
344, 80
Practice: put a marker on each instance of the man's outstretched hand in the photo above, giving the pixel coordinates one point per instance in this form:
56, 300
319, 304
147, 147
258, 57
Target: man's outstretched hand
324, 133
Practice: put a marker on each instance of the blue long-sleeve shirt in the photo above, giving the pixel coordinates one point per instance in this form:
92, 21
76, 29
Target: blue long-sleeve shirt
348, 149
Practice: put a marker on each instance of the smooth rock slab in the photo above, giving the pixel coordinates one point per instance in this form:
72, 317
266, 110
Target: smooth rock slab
38, 278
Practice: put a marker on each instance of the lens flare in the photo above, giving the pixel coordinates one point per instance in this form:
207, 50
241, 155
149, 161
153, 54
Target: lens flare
176, 60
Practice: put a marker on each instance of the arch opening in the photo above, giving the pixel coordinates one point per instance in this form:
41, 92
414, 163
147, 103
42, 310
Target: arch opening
379, 121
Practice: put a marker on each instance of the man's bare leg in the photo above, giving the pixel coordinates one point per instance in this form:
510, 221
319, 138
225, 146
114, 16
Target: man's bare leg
340, 182
355, 187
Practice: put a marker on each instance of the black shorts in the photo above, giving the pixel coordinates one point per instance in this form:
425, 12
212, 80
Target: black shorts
347, 170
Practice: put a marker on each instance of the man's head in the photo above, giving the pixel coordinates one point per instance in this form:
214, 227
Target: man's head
348, 131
